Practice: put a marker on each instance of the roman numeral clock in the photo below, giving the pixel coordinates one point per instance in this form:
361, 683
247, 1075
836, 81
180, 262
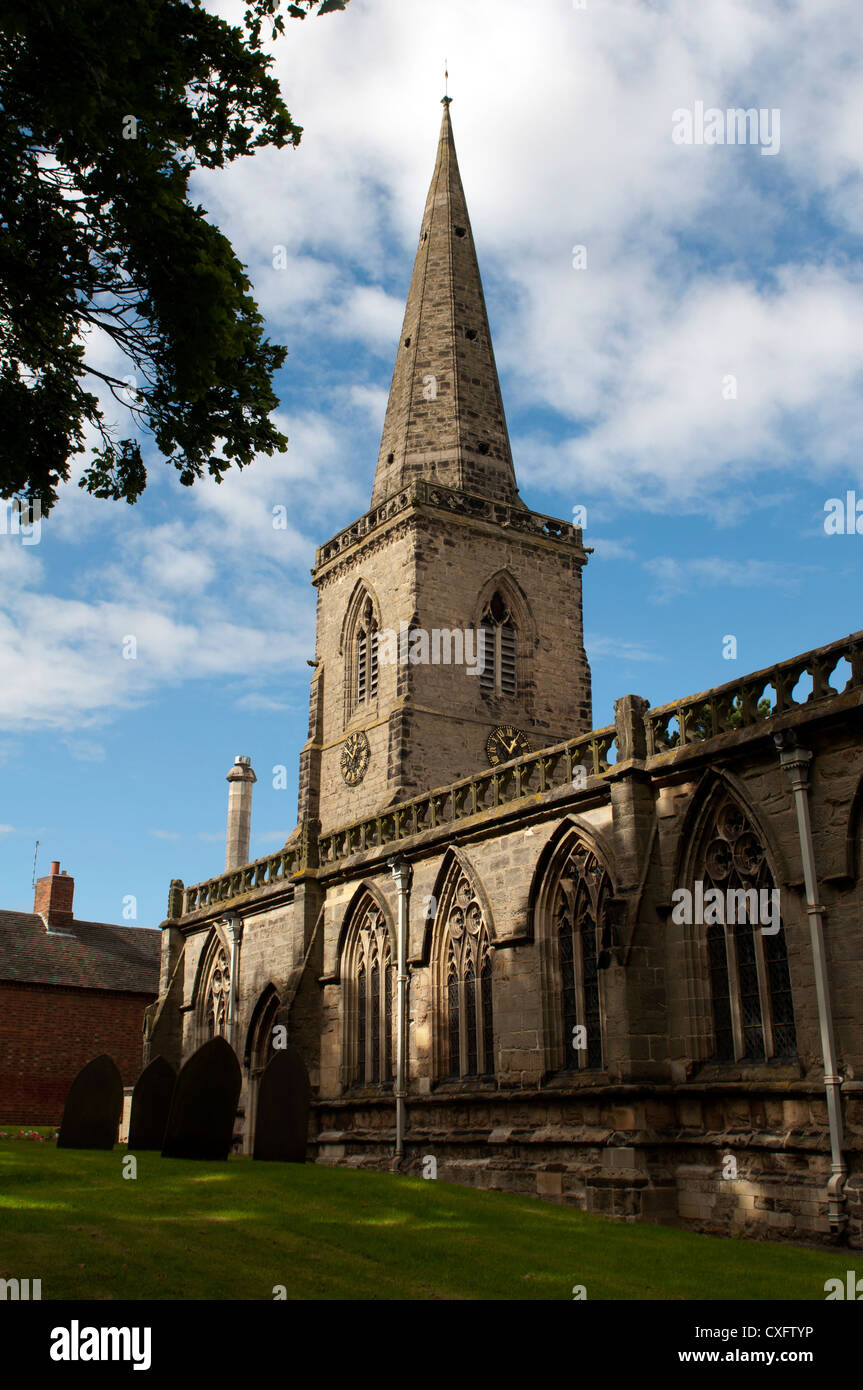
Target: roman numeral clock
355, 758
505, 743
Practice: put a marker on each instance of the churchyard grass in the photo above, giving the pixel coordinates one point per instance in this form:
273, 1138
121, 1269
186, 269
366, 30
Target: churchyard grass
193, 1230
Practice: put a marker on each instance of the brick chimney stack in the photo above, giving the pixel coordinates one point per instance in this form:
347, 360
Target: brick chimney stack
53, 900
241, 779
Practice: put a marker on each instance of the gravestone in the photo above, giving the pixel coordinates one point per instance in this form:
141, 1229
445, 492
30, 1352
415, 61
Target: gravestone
151, 1105
204, 1104
94, 1107
282, 1115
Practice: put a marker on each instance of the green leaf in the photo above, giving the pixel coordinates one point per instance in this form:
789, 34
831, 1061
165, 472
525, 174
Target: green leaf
108, 108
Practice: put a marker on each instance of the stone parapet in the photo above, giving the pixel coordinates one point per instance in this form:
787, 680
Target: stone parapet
449, 500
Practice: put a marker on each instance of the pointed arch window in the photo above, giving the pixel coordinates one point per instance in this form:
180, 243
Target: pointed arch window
579, 903
467, 1022
215, 1012
499, 675
370, 1046
366, 655
745, 942
261, 1044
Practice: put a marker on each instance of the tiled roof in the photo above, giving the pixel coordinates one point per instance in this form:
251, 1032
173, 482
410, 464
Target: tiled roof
97, 955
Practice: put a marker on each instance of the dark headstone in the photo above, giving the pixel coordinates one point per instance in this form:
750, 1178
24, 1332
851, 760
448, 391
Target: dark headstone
94, 1107
151, 1104
204, 1104
282, 1116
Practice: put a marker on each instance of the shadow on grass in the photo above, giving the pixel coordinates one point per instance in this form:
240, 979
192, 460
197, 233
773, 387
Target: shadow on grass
188, 1230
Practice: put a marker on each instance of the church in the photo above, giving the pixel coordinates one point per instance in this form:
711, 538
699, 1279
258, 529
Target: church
616, 967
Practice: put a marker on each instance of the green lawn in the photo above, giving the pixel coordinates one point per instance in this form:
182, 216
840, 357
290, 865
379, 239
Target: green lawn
186, 1230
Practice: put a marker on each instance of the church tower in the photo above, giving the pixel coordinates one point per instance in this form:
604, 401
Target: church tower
449, 623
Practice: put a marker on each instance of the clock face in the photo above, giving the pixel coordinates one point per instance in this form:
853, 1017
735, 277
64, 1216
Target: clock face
506, 743
355, 758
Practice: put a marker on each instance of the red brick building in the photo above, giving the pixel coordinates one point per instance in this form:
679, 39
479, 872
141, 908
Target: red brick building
69, 990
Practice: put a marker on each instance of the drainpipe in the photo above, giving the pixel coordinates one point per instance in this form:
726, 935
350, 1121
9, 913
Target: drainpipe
235, 928
401, 872
796, 762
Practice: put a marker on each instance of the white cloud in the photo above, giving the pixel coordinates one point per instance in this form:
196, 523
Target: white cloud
675, 576
373, 401
607, 549
633, 350
698, 268
372, 315
271, 837
85, 750
265, 704
616, 649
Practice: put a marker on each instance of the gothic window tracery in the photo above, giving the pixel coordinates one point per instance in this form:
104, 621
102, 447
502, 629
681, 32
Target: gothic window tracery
371, 1047
216, 1009
467, 1025
579, 902
747, 958
499, 675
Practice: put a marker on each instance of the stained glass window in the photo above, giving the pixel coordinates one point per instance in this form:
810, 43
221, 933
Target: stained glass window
747, 951
370, 1048
579, 901
468, 1017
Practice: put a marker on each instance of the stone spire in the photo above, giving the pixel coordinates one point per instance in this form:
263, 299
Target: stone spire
445, 419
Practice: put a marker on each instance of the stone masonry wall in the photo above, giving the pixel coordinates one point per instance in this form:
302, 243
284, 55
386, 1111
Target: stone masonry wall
649, 1135
429, 723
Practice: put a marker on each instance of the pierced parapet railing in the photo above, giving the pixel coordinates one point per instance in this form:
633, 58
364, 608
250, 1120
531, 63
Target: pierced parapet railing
529, 775
754, 699
272, 869
351, 534
420, 491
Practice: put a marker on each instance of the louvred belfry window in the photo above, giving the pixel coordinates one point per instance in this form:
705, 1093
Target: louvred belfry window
499, 675
579, 903
467, 1022
366, 656
747, 959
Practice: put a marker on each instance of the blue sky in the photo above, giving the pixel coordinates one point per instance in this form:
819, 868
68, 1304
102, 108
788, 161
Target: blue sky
706, 512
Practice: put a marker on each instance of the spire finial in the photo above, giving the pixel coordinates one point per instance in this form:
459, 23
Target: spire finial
446, 99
